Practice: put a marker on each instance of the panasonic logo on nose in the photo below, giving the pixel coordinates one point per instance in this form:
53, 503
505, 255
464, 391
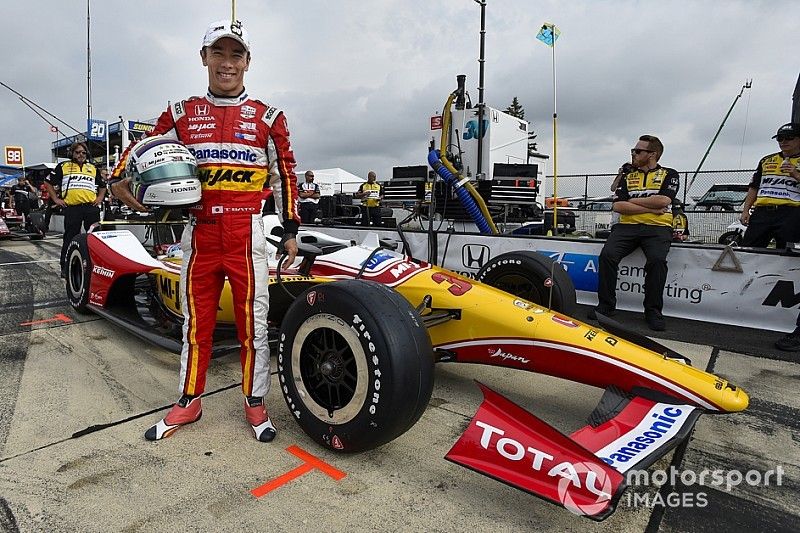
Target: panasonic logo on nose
661, 423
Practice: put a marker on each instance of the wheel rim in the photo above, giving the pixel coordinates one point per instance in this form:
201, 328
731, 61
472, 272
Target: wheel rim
330, 368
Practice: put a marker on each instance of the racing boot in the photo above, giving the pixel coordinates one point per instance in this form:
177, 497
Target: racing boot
256, 413
187, 410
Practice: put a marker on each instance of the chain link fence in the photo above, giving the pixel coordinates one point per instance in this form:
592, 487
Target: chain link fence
704, 226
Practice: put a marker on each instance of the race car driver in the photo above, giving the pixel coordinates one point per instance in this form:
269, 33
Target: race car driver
239, 144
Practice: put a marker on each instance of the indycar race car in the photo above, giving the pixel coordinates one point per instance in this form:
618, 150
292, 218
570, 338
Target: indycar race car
17, 226
358, 328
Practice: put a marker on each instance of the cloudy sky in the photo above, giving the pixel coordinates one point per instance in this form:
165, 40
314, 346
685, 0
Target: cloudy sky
359, 79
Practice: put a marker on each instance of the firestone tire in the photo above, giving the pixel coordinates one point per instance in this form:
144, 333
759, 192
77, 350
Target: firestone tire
525, 274
79, 273
355, 364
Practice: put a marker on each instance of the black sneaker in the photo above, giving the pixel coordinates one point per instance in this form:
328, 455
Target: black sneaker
655, 322
592, 314
789, 343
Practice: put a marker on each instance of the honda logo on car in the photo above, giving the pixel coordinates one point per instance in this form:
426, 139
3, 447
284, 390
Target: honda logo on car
661, 423
513, 450
475, 255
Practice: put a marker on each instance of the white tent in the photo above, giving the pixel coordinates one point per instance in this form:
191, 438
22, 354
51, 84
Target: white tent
41, 166
333, 180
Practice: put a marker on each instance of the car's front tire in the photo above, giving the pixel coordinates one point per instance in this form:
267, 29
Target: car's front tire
79, 273
531, 275
355, 364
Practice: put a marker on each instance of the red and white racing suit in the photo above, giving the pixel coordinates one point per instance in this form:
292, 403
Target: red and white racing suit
240, 145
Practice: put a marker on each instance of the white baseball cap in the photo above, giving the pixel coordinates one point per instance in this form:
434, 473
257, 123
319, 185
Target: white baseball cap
226, 28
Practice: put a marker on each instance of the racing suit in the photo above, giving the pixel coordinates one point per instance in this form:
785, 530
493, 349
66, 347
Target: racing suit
240, 145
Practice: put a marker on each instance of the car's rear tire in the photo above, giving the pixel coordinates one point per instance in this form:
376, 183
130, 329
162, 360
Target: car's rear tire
79, 273
733, 238
36, 226
355, 364
525, 274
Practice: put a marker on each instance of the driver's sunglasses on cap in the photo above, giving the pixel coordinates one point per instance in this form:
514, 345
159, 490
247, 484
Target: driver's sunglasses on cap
638, 151
781, 138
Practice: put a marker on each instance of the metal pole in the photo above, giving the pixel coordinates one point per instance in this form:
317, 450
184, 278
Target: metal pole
88, 66
108, 148
585, 189
555, 145
481, 105
796, 102
747, 85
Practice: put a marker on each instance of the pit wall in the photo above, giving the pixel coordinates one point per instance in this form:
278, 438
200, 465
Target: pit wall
712, 283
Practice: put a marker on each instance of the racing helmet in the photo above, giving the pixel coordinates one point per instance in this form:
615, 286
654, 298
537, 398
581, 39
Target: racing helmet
163, 172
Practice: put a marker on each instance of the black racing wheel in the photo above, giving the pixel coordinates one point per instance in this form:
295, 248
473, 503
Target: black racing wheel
733, 238
531, 275
79, 273
355, 364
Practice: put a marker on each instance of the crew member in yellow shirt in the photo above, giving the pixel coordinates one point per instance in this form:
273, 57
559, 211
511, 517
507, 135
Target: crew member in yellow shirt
80, 197
774, 193
370, 195
644, 203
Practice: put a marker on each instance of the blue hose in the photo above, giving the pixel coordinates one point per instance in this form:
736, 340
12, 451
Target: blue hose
463, 194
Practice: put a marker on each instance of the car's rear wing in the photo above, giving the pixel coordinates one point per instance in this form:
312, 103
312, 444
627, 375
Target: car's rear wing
583, 472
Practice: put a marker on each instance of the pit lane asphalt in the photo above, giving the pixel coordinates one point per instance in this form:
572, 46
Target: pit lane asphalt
76, 394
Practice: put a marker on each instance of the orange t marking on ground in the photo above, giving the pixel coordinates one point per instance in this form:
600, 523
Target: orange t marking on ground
309, 463
60, 317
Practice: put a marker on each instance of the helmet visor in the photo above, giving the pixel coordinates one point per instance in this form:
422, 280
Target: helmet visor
173, 170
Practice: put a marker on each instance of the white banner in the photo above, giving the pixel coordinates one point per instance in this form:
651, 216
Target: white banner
764, 295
